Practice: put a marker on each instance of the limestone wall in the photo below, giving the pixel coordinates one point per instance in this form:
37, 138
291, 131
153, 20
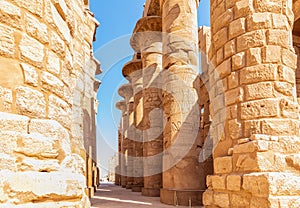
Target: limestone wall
47, 87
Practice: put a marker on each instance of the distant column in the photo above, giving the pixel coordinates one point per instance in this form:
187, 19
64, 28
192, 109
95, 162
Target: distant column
180, 63
133, 71
126, 92
147, 39
121, 105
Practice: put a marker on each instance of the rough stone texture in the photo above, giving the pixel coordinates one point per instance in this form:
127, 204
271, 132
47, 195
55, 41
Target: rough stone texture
45, 157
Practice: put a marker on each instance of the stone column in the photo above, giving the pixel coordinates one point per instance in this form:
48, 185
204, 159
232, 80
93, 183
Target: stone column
121, 105
147, 39
126, 167
133, 71
180, 63
255, 154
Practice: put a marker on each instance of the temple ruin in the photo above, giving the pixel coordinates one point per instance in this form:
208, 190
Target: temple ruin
221, 130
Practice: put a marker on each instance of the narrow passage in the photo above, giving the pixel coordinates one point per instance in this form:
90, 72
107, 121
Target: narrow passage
109, 195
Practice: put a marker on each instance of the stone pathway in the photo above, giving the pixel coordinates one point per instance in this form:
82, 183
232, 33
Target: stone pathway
109, 195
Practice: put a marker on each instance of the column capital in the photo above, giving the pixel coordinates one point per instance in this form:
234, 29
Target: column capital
131, 67
121, 105
162, 2
148, 29
126, 91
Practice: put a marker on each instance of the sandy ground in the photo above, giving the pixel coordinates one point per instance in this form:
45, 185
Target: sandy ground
110, 196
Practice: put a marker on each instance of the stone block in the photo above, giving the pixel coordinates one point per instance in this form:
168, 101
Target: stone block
60, 24
289, 109
220, 38
259, 21
235, 130
252, 127
52, 83
224, 69
259, 91
229, 48
6, 99
253, 56
286, 74
57, 44
12, 122
36, 145
247, 162
260, 109
234, 96
278, 37
221, 199
240, 200
259, 73
7, 41
271, 54
53, 63
33, 6
223, 165
218, 182
279, 127
10, 14
52, 129
234, 182
257, 184
252, 146
284, 88
36, 29
243, 8
289, 58
280, 21
208, 197
32, 51
237, 27
30, 102
30, 75
30, 186
274, 6
251, 39
233, 80
59, 110
238, 61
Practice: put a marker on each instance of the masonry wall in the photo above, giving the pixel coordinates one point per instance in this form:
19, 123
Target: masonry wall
47, 84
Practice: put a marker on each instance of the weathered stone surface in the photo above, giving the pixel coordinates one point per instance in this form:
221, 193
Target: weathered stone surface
30, 75
32, 50
30, 102
12, 122
10, 14
29, 186
7, 44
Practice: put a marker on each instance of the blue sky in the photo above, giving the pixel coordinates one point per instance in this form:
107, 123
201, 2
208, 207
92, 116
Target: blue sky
112, 49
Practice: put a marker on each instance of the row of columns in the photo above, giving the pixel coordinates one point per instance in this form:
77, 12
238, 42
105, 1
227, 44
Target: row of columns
162, 76
250, 106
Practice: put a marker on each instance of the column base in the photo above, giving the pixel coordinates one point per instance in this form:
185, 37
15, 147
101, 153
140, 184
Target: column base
137, 188
181, 197
151, 192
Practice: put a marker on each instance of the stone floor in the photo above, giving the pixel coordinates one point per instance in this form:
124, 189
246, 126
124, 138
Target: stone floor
110, 196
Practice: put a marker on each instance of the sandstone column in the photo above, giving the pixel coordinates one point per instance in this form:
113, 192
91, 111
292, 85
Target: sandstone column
120, 170
126, 168
180, 63
133, 71
147, 40
255, 153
